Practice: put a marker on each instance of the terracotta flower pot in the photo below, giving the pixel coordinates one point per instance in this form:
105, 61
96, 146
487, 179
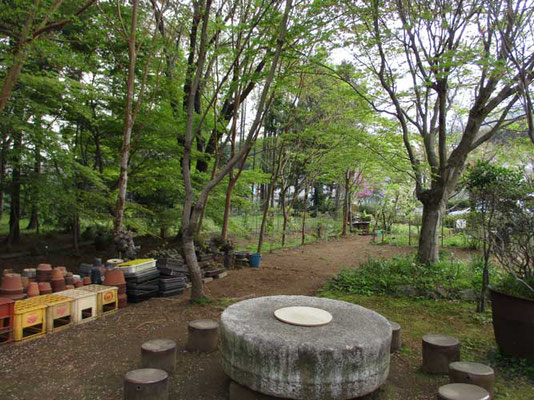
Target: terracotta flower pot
45, 288
44, 267
122, 300
78, 284
33, 289
86, 280
12, 284
57, 274
67, 287
69, 280
114, 277
63, 271
58, 285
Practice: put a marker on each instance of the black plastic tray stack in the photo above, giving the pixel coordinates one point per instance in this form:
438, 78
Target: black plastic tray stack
142, 285
171, 286
174, 276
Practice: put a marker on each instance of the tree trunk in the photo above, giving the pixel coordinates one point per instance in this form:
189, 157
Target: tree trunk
270, 194
188, 249
428, 251
303, 230
3, 162
284, 215
34, 215
346, 205
128, 123
14, 212
76, 234
266, 204
227, 207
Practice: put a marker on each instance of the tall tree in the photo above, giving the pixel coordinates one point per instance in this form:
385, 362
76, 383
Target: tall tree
191, 208
453, 74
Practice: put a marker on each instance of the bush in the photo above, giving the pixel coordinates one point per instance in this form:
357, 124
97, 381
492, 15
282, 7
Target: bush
403, 276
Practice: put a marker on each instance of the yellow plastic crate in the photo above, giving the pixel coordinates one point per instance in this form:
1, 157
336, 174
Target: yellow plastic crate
106, 297
30, 320
84, 305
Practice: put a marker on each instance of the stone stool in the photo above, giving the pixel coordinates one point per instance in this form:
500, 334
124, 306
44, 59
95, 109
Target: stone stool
159, 354
462, 391
473, 373
396, 341
146, 384
438, 352
203, 335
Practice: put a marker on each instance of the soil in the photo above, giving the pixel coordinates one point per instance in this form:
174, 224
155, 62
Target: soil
89, 360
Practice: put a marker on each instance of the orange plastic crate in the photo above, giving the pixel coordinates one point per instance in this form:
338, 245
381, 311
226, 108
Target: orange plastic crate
7, 309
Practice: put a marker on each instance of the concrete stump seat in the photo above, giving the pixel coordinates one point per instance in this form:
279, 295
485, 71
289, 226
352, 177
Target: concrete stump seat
396, 340
472, 373
438, 352
462, 391
159, 354
146, 384
203, 336
344, 359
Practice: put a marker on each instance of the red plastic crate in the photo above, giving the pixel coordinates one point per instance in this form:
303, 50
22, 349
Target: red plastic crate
7, 311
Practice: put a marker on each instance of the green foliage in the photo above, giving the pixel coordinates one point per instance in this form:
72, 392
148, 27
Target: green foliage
405, 277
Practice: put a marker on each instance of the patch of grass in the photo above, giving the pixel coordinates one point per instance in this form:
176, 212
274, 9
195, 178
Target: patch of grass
418, 317
203, 301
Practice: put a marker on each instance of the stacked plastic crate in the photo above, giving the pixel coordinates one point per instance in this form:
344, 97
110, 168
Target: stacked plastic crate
142, 279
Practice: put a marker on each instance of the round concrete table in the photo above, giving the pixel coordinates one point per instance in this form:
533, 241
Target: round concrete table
343, 359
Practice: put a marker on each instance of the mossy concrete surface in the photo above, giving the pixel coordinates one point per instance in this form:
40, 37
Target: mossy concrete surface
347, 358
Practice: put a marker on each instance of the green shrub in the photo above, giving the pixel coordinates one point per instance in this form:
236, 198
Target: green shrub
403, 276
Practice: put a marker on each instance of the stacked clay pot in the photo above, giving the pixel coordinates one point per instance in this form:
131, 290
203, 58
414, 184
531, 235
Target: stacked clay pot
12, 287
33, 289
69, 279
86, 280
44, 273
115, 277
78, 284
63, 271
45, 288
58, 281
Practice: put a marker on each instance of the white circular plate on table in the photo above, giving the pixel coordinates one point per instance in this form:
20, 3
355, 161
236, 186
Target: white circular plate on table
303, 316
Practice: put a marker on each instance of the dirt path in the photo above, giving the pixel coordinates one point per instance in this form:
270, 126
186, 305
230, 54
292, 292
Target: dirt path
89, 360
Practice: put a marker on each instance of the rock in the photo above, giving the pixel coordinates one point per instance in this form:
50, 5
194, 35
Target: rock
346, 358
441, 292
406, 291
467, 295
